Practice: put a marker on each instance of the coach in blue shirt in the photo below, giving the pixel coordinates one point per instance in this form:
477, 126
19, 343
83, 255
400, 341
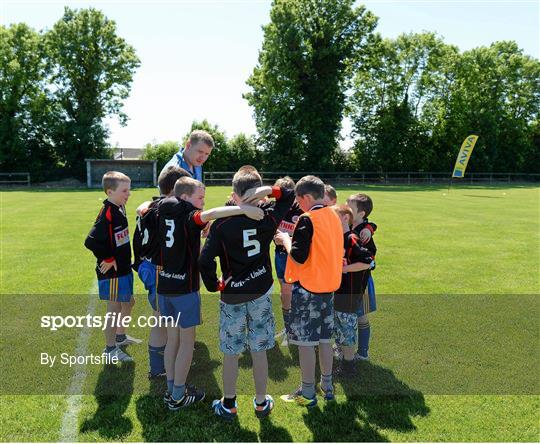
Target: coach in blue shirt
192, 157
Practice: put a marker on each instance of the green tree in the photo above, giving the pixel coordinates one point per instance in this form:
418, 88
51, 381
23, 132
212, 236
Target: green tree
389, 96
243, 151
26, 110
298, 86
91, 71
495, 94
418, 98
162, 152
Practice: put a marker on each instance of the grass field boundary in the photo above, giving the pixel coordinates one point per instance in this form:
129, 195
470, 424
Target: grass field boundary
352, 178
69, 429
433, 244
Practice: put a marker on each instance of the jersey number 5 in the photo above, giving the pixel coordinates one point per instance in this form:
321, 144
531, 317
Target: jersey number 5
169, 235
253, 243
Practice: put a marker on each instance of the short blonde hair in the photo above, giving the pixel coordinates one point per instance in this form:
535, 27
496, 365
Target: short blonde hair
186, 185
285, 182
205, 137
344, 210
247, 169
111, 180
330, 191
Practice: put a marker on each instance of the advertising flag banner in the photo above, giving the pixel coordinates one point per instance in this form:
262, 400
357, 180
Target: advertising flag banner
464, 155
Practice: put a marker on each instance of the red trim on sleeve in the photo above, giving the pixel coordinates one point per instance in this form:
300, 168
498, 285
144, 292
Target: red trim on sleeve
108, 217
197, 219
276, 192
220, 285
109, 259
370, 228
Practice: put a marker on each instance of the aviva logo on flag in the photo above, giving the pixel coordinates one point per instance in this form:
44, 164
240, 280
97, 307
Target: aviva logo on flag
464, 155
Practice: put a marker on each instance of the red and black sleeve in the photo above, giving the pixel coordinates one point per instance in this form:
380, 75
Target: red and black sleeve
100, 239
207, 260
301, 240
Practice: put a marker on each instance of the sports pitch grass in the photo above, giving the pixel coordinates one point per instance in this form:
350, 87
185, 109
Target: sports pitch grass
454, 352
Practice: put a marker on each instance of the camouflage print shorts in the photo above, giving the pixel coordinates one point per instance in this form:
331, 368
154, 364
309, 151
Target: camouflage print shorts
345, 327
247, 325
312, 317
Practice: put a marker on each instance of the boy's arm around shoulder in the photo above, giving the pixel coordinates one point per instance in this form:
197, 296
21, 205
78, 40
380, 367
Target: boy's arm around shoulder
359, 257
220, 212
207, 260
253, 195
284, 201
142, 208
367, 232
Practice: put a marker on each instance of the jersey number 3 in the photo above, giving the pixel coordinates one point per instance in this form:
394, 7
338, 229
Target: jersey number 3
169, 235
253, 243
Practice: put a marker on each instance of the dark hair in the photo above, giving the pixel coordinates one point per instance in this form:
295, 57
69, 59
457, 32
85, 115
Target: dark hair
244, 179
363, 203
186, 185
311, 185
168, 178
285, 182
201, 136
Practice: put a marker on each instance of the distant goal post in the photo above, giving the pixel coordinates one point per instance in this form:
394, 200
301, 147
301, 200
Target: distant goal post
142, 173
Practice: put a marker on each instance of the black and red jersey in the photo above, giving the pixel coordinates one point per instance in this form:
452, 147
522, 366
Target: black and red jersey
179, 235
109, 240
145, 237
243, 247
347, 297
288, 223
370, 245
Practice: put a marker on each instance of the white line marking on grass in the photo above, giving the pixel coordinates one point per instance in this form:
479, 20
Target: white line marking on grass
69, 430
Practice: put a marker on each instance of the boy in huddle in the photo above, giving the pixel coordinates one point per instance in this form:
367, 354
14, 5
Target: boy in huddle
280, 257
148, 261
109, 241
362, 206
314, 268
330, 195
357, 260
246, 316
180, 223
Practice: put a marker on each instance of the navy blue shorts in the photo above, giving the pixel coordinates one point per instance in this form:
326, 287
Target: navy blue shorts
116, 289
148, 273
368, 302
185, 307
312, 317
280, 261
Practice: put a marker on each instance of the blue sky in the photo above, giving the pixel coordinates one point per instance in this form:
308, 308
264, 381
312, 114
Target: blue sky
196, 55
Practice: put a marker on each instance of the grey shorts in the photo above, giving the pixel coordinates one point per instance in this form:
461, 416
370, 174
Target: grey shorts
248, 325
312, 317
